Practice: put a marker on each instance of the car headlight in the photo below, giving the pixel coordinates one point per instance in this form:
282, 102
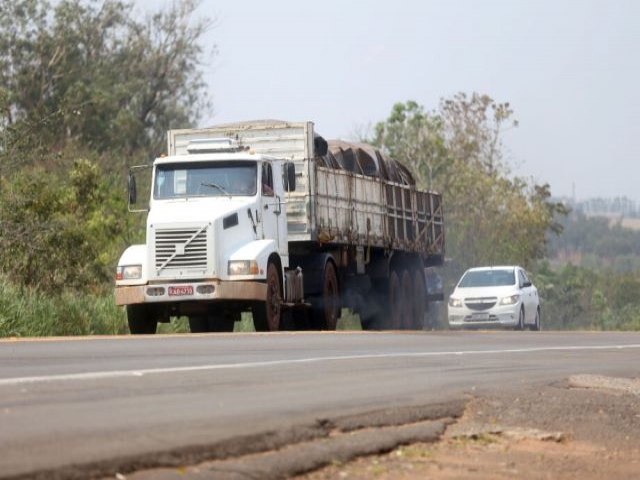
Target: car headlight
455, 302
128, 272
243, 267
512, 300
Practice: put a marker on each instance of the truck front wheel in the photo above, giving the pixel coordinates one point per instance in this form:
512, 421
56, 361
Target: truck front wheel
140, 319
266, 316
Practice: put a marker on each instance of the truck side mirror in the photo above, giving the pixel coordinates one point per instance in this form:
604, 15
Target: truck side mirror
289, 177
133, 191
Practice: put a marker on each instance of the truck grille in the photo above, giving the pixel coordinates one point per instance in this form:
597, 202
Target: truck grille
181, 248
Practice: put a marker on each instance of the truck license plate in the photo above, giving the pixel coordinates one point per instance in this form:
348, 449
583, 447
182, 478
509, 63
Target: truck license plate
180, 291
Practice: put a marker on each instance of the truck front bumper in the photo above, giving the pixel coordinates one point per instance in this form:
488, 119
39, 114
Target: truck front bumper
189, 292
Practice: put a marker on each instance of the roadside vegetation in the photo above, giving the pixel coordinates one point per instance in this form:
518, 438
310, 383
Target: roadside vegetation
89, 88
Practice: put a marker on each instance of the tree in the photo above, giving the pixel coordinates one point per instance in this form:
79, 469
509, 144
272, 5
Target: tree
92, 74
492, 217
416, 139
86, 88
60, 231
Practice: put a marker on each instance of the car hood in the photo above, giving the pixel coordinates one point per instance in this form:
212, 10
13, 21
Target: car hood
477, 292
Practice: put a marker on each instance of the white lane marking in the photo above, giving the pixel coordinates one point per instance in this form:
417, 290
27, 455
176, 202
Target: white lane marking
271, 363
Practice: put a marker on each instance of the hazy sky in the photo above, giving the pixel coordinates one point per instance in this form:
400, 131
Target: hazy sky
570, 69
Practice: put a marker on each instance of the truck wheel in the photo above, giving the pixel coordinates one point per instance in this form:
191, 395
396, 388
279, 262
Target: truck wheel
395, 301
327, 309
375, 311
140, 320
419, 300
266, 316
406, 320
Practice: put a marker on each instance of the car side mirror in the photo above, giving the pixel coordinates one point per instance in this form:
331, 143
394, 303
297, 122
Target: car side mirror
289, 177
133, 191
526, 284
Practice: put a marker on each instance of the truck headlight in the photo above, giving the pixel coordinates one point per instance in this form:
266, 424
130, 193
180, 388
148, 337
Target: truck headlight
243, 267
512, 300
455, 302
128, 272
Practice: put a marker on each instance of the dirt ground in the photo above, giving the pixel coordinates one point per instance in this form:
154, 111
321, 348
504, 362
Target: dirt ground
563, 431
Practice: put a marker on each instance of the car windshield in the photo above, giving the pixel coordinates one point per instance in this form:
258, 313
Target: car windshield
204, 179
488, 278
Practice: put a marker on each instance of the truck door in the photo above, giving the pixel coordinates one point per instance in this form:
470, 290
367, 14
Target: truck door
270, 206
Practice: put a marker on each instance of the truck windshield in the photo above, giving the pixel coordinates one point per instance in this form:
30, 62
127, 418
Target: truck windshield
204, 179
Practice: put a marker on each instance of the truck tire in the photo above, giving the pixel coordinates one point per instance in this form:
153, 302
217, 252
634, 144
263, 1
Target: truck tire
395, 301
419, 299
266, 315
407, 319
375, 309
140, 320
326, 308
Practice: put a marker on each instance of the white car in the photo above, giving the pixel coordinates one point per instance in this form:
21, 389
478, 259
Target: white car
495, 296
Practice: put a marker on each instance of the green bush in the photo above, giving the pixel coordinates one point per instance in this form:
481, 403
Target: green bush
27, 313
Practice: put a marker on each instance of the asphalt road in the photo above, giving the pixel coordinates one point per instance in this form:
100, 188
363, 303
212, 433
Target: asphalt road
91, 401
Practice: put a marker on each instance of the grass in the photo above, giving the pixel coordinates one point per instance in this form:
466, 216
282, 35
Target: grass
28, 313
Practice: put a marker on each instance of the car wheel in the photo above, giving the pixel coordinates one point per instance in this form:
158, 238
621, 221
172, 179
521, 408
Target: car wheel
536, 324
521, 320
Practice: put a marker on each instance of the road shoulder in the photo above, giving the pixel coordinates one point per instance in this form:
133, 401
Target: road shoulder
585, 427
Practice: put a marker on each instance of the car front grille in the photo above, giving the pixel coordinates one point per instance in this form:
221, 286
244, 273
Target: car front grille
480, 303
181, 248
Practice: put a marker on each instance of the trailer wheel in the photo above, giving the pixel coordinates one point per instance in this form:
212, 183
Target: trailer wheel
327, 309
419, 300
140, 320
266, 315
395, 301
375, 311
407, 320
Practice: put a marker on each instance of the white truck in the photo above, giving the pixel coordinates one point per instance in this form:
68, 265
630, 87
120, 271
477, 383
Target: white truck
268, 217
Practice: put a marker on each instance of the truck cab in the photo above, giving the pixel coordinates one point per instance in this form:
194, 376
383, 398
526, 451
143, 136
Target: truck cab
216, 240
